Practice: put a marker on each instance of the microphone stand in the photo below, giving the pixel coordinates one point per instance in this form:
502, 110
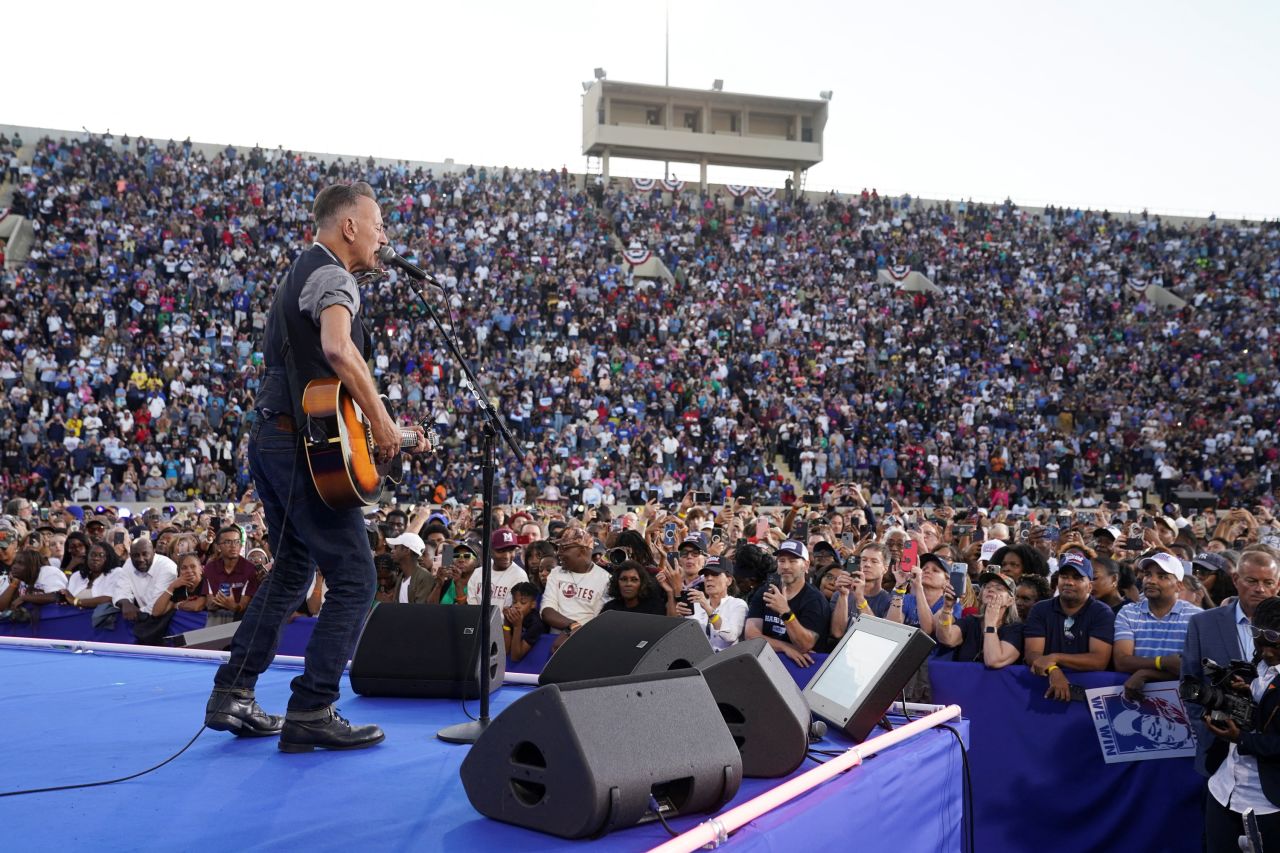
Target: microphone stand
493, 427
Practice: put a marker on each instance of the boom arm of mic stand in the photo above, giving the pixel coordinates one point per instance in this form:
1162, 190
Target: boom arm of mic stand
481, 400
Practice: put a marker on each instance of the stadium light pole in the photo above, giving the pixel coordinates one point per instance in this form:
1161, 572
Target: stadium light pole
666, 66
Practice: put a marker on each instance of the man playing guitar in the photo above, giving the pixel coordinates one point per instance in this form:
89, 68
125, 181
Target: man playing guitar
313, 332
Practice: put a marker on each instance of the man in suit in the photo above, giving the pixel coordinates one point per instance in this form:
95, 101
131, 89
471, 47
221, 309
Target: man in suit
1246, 762
1222, 635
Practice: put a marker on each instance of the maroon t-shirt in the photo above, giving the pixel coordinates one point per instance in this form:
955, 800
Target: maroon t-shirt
243, 579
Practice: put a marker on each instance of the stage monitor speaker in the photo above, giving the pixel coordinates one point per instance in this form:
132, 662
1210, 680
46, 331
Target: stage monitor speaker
764, 709
217, 638
619, 643
583, 759
865, 672
427, 650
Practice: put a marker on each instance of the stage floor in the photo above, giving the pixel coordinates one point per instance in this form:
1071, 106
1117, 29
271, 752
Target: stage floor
80, 717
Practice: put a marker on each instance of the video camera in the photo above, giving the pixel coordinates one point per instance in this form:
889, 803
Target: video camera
1213, 692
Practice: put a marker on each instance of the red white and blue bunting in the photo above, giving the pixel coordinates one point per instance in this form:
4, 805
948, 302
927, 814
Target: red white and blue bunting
737, 190
1138, 286
637, 256
673, 186
766, 192
644, 185
898, 273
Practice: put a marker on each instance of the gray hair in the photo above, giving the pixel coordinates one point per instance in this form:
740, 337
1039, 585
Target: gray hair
337, 198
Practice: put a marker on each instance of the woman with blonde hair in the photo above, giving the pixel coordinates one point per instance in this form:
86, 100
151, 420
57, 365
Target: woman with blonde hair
994, 636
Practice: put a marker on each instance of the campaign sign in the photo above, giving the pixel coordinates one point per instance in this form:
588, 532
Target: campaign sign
1156, 727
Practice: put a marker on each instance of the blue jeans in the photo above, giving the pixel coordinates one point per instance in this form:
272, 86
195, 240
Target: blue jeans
310, 536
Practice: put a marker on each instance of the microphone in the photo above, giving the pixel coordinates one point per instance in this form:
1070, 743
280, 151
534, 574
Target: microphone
388, 256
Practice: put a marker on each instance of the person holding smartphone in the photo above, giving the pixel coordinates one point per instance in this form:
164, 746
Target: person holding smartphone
861, 591
721, 616
919, 597
787, 611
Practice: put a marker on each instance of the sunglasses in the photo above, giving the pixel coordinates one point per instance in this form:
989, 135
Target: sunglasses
1266, 635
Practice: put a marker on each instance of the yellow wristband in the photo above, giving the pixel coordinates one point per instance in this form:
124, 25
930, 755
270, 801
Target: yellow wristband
791, 617
1051, 669
1158, 666
506, 628
713, 617
864, 605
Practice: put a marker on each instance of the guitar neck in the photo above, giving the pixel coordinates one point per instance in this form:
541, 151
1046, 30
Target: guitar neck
408, 439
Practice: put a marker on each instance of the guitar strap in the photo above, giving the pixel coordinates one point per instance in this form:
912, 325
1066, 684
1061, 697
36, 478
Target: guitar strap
302, 421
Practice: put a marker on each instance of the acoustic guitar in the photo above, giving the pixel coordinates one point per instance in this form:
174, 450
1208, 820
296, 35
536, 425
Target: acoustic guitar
340, 447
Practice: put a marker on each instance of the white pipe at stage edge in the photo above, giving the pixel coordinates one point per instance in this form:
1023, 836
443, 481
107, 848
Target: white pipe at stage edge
716, 831
80, 646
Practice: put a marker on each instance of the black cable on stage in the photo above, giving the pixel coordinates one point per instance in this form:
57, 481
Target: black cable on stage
967, 791
78, 785
657, 810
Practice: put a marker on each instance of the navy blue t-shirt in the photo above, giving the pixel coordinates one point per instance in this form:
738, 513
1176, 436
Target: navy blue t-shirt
808, 605
1070, 635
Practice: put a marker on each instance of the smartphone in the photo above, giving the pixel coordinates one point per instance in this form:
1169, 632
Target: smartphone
800, 530
812, 499
1052, 533
847, 540
960, 583
1132, 515
669, 534
762, 528
962, 529
1149, 523
243, 518
910, 556
1134, 541
1077, 694
1024, 531
702, 497
118, 539
446, 555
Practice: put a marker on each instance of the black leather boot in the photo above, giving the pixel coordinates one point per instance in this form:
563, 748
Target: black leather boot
325, 729
235, 710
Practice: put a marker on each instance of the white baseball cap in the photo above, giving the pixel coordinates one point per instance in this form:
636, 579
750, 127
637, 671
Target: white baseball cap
412, 541
1166, 563
989, 549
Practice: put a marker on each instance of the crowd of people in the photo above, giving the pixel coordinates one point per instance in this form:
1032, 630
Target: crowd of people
1140, 592
129, 340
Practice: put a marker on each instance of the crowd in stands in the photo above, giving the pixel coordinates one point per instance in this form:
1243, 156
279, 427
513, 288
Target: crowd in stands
129, 339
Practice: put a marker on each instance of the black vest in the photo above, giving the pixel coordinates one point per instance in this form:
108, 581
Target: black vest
286, 322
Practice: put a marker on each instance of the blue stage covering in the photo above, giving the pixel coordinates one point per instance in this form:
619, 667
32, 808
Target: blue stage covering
84, 717
64, 622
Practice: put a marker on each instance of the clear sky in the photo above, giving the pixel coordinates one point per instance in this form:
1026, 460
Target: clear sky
1125, 104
